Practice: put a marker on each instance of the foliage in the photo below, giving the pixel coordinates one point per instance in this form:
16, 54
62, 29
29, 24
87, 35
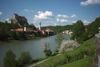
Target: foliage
78, 31
86, 62
59, 29
10, 59
7, 34
93, 27
4, 31
83, 32
24, 59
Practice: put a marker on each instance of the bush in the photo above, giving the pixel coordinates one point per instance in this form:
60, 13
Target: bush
24, 59
10, 59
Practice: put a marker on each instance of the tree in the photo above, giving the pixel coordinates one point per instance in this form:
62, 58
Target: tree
93, 27
78, 31
24, 59
10, 59
4, 30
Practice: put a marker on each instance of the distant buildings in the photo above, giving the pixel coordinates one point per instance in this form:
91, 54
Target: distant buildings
24, 27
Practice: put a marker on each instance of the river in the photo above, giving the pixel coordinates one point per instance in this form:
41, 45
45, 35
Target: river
35, 47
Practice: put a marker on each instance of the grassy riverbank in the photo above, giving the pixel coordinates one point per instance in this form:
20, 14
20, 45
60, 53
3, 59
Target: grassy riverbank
86, 50
79, 63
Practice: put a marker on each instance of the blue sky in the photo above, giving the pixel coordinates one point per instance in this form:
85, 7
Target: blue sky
51, 12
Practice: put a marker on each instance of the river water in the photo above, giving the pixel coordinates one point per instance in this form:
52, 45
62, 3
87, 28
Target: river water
34, 47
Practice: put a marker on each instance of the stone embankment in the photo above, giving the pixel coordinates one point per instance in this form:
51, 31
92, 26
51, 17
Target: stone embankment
68, 45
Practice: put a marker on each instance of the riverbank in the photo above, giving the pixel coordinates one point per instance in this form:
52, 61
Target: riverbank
85, 50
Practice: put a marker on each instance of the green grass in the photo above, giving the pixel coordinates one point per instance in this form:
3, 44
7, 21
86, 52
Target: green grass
79, 63
53, 61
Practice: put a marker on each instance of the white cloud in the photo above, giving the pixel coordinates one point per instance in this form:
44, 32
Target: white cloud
0, 13
43, 15
85, 21
73, 15
28, 10
88, 2
62, 16
61, 20
74, 21
8, 20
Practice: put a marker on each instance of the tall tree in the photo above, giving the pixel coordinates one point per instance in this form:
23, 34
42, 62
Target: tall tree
78, 31
93, 27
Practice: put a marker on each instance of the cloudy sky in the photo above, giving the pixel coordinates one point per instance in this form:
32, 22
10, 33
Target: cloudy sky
51, 12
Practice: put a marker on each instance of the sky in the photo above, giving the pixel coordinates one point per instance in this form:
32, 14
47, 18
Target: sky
51, 12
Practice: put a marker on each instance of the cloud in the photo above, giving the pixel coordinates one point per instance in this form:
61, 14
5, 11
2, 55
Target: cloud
62, 16
74, 21
8, 20
86, 22
28, 10
61, 20
88, 2
1, 13
73, 15
43, 15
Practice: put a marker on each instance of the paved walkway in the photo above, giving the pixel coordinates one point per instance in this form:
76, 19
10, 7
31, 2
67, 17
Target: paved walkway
33, 65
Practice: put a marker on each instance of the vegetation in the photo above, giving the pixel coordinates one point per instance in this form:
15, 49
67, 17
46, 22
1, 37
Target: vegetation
83, 32
87, 49
24, 59
10, 59
86, 62
78, 28
59, 29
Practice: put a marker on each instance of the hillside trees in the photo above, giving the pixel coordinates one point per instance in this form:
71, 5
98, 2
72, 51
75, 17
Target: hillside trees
93, 27
78, 31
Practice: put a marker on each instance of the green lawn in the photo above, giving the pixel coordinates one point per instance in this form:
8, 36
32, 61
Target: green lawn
80, 63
